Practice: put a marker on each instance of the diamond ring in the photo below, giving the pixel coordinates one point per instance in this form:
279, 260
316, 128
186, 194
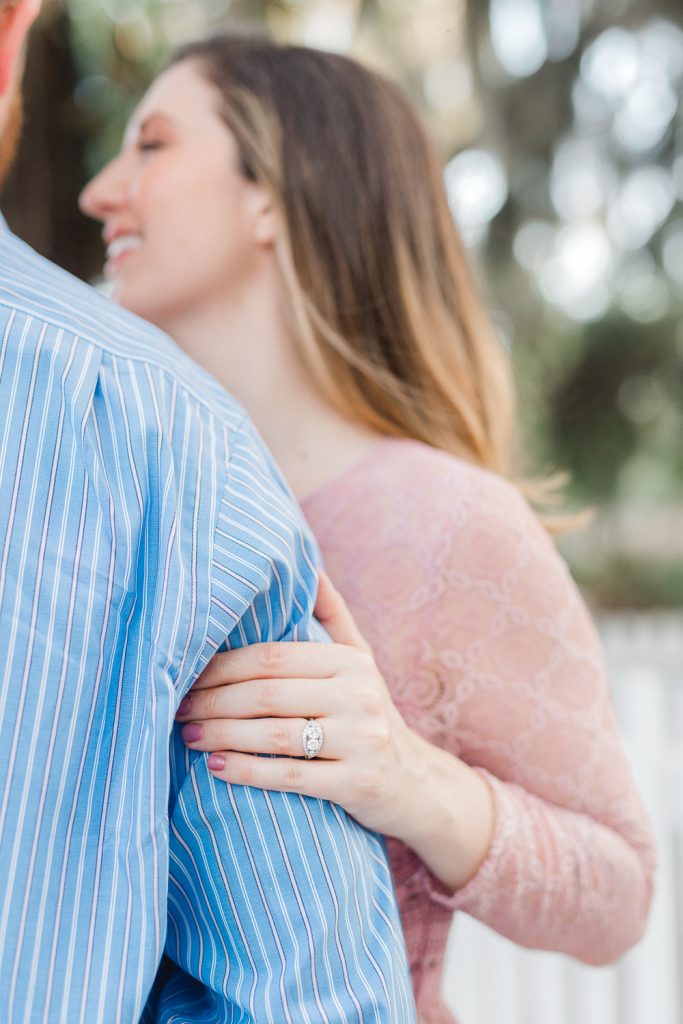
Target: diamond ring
313, 738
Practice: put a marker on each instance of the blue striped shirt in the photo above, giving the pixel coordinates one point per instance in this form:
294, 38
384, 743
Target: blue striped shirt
142, 527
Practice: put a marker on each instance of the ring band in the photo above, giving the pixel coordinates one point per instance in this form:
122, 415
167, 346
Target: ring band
313, 738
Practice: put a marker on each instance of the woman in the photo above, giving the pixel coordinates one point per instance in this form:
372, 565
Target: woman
280, 213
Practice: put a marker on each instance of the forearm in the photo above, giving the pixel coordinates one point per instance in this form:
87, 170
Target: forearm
283, 907
544, 876
448, 813
559, 879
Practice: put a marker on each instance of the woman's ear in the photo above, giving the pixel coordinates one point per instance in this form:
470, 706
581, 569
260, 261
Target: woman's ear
16, 19
266, 217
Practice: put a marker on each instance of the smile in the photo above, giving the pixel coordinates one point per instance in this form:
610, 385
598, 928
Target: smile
123, 246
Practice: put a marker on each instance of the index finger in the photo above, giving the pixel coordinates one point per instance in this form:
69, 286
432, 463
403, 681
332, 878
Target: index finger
276, 659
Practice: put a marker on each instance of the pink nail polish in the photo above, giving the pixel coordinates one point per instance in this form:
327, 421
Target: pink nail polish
216, 763
184, 707
191, 732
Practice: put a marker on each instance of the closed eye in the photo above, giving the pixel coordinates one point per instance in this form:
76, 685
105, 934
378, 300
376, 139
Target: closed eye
149, 147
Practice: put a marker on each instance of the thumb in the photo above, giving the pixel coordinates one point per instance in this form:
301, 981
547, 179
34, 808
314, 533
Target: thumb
331, 610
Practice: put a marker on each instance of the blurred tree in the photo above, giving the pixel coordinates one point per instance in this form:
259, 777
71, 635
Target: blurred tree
560, 126
40, 199
585, 256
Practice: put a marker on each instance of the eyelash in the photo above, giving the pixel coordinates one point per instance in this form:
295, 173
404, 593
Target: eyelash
148, 147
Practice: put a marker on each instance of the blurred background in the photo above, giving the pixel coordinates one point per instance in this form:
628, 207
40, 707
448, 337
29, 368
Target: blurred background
560, 123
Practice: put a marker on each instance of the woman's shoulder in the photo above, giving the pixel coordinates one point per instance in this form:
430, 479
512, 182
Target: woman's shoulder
405, 491
439, 480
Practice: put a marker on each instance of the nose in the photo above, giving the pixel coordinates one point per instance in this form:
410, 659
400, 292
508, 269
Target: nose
107, 192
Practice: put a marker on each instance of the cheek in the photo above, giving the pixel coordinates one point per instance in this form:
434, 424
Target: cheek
200, 211
198, 235
217, 234
163, 198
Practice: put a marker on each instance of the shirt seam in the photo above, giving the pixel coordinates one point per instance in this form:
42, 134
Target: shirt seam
141, 360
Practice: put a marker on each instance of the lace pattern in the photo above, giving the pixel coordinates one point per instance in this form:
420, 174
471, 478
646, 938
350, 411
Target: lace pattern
489, 652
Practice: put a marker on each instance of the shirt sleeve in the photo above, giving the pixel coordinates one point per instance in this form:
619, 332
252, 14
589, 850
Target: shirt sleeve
281, 907
509, 643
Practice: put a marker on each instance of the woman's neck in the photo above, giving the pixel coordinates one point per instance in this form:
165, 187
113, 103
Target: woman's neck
244, 344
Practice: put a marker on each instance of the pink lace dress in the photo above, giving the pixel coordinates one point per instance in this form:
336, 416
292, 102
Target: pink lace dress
490, 653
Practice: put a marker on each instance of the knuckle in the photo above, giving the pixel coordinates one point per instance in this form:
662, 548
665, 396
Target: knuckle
293, 775
271, 656
377, 736
267, 694
369, 786
280, 737
209, 704
365, 660
219, 664
371, 702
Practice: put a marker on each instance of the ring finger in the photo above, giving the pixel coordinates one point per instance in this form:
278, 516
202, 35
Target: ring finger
281, 736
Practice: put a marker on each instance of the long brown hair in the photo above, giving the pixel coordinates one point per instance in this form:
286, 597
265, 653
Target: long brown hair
382, 303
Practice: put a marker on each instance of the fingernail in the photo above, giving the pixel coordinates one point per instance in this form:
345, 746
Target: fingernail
191, 732
216, 763
184, 707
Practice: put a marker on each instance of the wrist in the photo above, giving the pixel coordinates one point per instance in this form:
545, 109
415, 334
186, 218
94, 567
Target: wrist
452, 819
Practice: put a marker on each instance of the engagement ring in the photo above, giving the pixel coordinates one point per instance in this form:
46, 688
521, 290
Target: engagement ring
313, 738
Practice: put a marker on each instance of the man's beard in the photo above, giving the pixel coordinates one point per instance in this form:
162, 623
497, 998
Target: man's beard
9, 140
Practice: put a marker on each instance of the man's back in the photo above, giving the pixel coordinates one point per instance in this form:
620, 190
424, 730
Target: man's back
141, 524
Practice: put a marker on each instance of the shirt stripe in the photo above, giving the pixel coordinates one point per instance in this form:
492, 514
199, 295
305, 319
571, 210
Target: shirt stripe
143, 526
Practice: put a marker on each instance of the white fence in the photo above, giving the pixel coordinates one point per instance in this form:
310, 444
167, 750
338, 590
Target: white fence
488, 980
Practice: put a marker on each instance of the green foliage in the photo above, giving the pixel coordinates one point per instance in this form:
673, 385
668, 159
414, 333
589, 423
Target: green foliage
629, 582
609, 407
601, 385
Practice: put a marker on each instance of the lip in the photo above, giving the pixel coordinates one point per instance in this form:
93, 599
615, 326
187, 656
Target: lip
111, 233
114, 261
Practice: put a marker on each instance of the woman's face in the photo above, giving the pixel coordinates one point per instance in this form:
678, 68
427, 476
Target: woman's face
184, 228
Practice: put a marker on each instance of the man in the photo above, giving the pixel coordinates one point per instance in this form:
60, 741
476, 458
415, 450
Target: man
142, 525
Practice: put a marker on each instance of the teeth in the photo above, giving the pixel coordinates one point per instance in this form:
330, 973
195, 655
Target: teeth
124, 243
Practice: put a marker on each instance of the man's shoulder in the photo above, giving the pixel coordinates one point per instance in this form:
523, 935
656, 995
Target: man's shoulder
33, 286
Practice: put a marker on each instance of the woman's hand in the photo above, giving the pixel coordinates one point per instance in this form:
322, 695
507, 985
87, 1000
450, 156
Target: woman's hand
256, 700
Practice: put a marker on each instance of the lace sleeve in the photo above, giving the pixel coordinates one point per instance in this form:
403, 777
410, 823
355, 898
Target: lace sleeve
508, 645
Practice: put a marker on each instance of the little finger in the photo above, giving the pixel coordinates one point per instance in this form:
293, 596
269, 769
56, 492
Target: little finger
322, 779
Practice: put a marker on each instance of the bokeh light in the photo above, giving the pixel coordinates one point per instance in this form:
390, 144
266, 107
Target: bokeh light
517, 36
641, 205
611, 63
575, 276
477, 188
560, 125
